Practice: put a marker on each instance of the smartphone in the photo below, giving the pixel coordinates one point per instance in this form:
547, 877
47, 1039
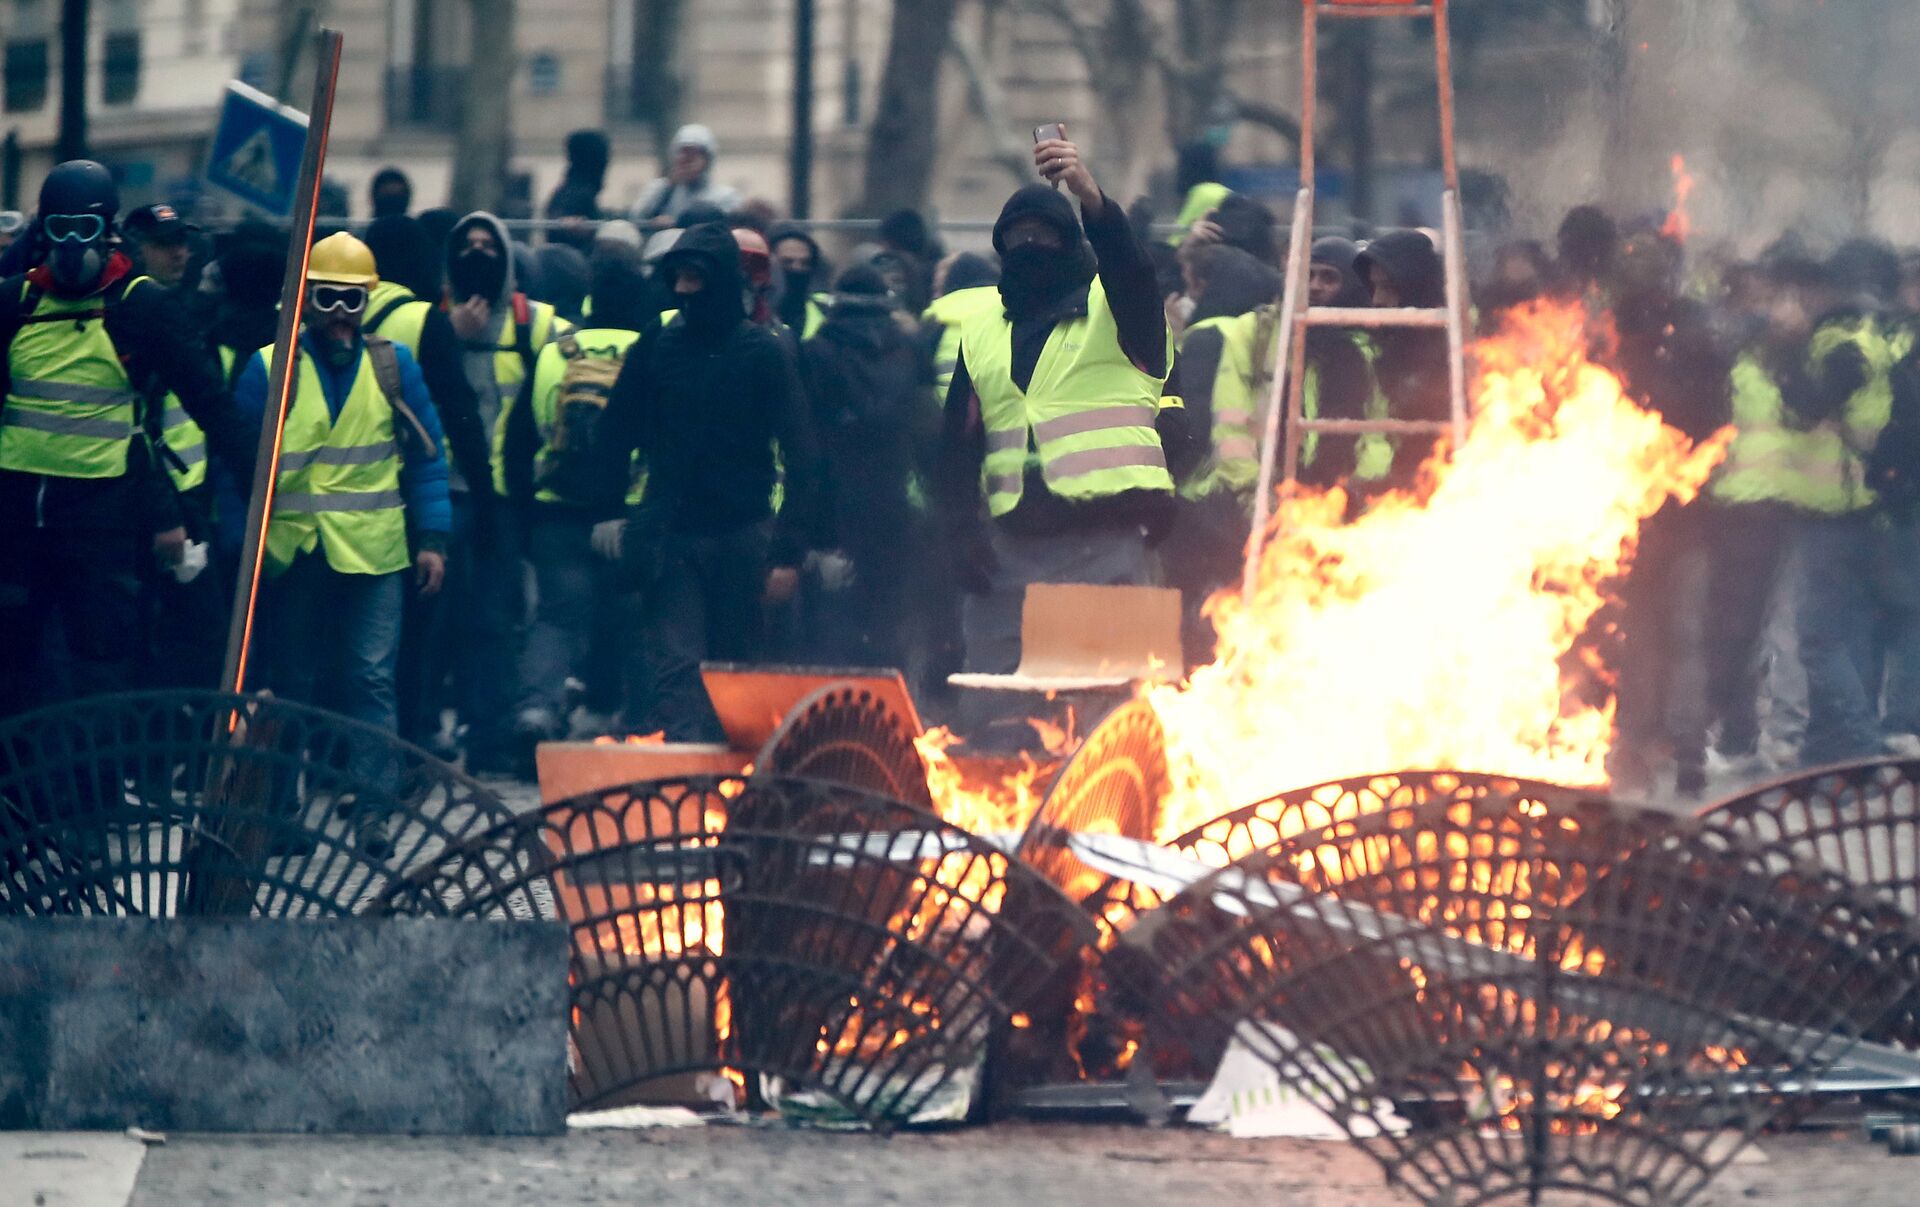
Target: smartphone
1050, 130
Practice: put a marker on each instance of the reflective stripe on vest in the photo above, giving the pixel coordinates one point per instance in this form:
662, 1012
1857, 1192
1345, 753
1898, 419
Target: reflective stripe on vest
1086, 419
339, 481
549, 372
71, 411
1233, 457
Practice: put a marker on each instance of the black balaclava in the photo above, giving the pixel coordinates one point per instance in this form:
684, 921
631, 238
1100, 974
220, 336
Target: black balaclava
1035, 280
720, 306
621, 297
970, 270
797, 288
404, 253
1342, 254
475, 273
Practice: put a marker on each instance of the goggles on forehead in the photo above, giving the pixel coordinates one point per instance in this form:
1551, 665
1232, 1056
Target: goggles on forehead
72, 228
337, 299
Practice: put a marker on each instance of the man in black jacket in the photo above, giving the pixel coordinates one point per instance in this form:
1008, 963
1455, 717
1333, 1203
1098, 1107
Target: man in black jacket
84, 511
704, 399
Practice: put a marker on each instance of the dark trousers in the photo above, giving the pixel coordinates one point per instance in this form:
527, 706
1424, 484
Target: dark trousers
1205, 550
1102, 557
335, 638
467, 638
1662, 656
1859, 633
185, 645
90, 581
575, 615
703, 606
1748, 545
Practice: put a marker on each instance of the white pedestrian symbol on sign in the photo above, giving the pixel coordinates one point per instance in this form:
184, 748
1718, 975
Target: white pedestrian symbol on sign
252, 163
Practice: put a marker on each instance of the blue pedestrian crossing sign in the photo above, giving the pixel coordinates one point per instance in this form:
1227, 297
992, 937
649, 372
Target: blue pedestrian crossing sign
256, 149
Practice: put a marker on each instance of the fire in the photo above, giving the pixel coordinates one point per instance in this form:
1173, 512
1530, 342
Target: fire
992, 806
1430, 631
1679, 223
657, 738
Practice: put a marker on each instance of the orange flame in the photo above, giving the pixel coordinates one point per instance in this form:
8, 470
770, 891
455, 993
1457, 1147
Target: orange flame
656, 738
1679, 223
987, 806
1428, 633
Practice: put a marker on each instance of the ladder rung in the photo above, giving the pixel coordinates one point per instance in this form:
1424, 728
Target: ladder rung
1374, 10
1367, 427
1363, 316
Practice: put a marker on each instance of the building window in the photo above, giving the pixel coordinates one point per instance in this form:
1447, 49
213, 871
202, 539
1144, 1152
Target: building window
426, 63
643, 85
120, 53
26, 56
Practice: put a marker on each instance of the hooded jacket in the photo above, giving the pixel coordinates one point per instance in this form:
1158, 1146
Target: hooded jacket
1107, 248
478, 358
704, 399
665, 199
870, 384
1239, 283
1412, 363
795, 292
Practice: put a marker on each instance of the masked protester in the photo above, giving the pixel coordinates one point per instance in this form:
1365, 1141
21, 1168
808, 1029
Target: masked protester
804, 275
688, 183
704, 400
1051, 420
391, 193
87, 512
360, 506
552, 433
476, 642
574, 207
1402, 269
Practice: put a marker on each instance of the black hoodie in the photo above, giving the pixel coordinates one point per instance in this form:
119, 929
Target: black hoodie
795, 292
1412, 364
704, 399
1238, 283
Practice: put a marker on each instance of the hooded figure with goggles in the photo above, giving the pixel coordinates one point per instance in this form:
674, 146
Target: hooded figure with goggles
87, 512
360, 502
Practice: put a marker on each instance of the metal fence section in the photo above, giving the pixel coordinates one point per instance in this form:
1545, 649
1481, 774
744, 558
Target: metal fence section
1499, 997
849, 948
179, 803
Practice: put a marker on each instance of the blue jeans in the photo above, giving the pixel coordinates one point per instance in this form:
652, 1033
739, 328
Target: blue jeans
334, 639
575, 621
1859, 633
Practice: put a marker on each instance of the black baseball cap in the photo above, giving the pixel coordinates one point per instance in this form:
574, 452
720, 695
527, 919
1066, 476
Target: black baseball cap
157, 221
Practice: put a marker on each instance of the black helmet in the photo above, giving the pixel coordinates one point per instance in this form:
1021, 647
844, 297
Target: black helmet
80, 186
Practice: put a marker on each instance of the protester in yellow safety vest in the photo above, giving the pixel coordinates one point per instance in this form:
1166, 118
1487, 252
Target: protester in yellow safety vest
1750, 517
804, 275
85, 505
503, 332
360, 502
1859, 620
962, 283
1051, 417
552, 430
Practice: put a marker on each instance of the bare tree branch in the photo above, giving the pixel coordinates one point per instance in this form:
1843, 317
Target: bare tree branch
983, 97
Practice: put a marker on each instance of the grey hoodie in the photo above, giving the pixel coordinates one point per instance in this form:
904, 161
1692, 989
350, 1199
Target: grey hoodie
478, 359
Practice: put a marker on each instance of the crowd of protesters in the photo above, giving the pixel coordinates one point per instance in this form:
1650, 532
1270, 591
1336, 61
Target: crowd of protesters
526, 491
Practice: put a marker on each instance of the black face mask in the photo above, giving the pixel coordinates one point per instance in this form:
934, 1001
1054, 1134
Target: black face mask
709, 311
1034, 278
798, 288
476, 273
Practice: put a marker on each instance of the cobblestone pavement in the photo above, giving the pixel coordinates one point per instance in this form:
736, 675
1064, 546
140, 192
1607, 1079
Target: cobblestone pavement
1013, 1164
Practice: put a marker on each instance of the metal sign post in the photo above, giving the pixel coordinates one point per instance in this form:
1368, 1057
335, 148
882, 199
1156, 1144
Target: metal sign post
293, 289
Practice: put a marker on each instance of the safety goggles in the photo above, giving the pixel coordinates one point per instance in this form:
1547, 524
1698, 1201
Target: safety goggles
73, 228
338, 299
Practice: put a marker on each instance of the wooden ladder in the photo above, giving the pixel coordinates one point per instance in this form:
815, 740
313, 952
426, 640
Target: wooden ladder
1288, 388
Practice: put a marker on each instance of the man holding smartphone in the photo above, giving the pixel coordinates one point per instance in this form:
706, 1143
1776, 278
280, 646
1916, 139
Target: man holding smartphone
1053, 419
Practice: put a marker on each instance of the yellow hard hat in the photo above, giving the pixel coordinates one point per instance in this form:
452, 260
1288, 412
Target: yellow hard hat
342, 260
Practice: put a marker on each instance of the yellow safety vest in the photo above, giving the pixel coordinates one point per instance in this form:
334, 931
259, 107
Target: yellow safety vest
71, 411
339, 481
815, 316
548, 374
398, 324
509, 371
1830, 460
1086, 418
183, 436
1233, 461
1759, 466
948, 310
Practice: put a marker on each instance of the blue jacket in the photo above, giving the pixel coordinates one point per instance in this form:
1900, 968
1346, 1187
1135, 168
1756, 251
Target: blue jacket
423, 478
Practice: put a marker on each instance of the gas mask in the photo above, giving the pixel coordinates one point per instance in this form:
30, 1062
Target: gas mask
77, 249
331, 311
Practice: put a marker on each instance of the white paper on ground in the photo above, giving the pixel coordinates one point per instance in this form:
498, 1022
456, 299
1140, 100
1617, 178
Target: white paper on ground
69, 1169
1248, 1100
635, 1118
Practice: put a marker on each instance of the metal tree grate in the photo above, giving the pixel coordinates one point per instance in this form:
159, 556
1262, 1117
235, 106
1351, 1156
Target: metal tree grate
846, 943
845, 734
1114, 784
1862, 820
172, 803
1499, 998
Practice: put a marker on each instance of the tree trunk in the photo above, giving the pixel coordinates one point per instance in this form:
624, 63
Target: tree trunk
482, 139
903, 138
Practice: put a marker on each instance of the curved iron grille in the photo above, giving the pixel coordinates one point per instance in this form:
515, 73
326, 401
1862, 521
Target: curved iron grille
169, 803
847, 943
1551, 996
1114, 784
845, 734
1862, 820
